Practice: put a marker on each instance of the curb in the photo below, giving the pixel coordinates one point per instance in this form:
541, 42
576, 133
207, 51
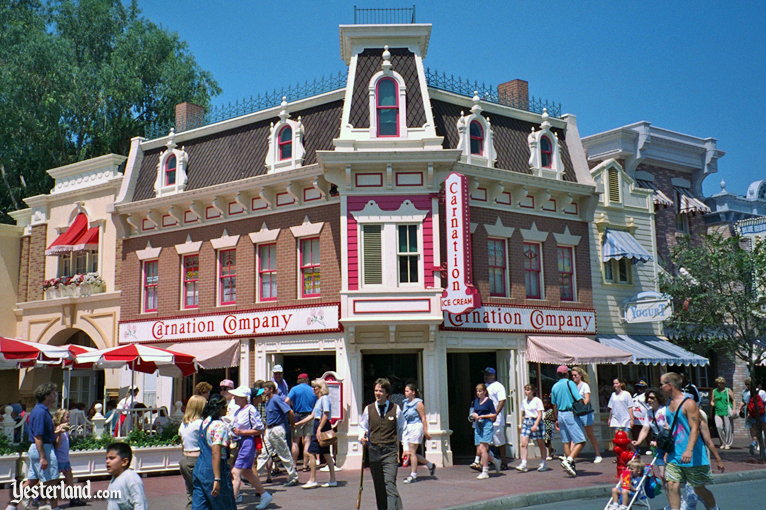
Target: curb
543, 498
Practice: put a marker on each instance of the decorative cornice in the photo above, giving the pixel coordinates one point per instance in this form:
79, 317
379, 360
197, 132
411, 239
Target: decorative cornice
307, 229
533, 234
499, 230
148, 253
567, 238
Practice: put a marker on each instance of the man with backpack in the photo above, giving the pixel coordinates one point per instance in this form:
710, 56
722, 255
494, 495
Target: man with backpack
687, 459
754, 404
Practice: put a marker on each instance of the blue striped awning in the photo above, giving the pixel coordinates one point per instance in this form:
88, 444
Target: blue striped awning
619, 244
652, 350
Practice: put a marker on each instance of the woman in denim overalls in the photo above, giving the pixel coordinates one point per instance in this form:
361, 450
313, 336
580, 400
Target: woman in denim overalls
212, 477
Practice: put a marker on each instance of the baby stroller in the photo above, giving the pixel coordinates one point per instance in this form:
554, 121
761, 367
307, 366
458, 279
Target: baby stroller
646, 489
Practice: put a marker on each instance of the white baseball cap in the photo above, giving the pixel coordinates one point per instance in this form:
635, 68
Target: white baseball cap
242, 391
277, 368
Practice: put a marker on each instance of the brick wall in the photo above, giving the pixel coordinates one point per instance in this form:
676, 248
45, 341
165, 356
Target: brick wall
665, 217
24, 268
169, 286
485, 216
32, 272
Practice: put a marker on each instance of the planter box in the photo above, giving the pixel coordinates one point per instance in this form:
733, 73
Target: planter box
82, 290
8, 468
151, 459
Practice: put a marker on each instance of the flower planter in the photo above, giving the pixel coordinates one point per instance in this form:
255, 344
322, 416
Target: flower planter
8, 468
73, 290
91, 463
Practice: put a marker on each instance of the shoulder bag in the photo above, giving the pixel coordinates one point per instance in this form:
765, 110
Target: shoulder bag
664, 439
327, 437
579, 407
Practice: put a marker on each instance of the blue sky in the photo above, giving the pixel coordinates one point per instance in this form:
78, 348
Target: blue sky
698, 68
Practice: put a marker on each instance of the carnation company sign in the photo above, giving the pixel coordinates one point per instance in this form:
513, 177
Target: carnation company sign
647, 307
524, 319
236, 324
460, 295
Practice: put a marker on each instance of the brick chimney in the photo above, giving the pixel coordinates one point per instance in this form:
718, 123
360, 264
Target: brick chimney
189, 116
514, 93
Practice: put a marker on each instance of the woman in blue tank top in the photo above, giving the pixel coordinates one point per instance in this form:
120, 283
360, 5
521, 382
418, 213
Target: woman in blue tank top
415, 429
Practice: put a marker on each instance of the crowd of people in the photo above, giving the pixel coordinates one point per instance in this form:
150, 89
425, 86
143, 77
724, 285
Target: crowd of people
241, 433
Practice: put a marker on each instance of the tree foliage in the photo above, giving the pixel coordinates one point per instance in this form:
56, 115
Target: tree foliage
79, 79
719, 299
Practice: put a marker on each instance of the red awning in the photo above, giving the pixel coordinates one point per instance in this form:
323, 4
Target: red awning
87, 241
65, 242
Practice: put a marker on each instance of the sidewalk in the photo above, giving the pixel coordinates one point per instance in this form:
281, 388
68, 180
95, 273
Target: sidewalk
454, 487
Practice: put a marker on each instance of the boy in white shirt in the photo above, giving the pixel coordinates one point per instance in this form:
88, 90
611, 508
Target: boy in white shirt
126, 486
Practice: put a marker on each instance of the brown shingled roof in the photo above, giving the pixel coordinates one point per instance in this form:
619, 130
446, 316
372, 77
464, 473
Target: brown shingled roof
510, 138
240, 153
368, 63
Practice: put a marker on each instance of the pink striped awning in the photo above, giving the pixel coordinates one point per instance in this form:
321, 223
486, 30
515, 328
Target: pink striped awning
567, 350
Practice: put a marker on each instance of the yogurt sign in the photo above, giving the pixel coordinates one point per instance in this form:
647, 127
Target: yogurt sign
460, 296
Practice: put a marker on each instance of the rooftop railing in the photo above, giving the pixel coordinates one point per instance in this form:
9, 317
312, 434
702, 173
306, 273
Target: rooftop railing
382, 16
489, 93
254, 104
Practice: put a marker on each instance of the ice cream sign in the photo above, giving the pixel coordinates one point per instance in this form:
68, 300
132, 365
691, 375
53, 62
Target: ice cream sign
460, 296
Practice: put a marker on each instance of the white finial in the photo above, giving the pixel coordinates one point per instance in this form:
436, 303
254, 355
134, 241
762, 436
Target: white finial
171, 139
283, 113
723, 186
386, 59
545, 124
476, 108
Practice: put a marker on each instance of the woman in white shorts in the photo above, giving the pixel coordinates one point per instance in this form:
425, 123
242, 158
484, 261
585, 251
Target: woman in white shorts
580, 378
415, 429
532, 428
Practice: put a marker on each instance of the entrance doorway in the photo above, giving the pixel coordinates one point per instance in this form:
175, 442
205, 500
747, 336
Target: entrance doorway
464, 372
399, 368
312, 364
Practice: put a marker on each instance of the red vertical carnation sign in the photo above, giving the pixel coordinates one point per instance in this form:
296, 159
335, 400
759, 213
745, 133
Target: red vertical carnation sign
460, 296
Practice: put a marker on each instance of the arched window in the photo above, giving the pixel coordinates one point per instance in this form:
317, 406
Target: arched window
387, 104
170, 171
477, 138
285, 142
546, 152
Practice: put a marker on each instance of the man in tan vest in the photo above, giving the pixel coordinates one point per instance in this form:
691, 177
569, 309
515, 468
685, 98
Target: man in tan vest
380, 429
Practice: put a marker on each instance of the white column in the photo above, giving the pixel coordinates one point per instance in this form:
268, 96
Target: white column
349, 366
434, 387
244, 362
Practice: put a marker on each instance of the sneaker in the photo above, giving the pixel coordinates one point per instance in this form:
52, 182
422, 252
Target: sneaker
307, 485
291, 483
329, 484
522, 468
549, 458
497, 463
569, 467
598, 459
411, 479
326, 469
431, 469
752, 448
266, 499
475, 466
543, 467
239, 499
613, 506
483, 476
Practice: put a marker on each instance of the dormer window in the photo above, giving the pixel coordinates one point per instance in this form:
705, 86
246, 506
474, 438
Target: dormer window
387, 107
546, 152
477, 138
285, 143
170, 171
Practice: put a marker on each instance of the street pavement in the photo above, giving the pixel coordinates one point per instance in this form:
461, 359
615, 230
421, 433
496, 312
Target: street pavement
454, 487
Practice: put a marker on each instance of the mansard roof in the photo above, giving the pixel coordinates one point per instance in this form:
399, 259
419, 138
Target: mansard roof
240, 152
510, 138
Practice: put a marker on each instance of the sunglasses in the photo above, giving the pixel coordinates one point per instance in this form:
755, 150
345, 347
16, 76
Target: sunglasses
651, 397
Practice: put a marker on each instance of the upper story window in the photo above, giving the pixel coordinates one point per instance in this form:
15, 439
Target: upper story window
310, 272
533, 270
285, 143
267, 272
477, 138
286, 149
408, 253
546, 152
170, 170
151, 279
191, 281
387, 97
498, 267
565, 261
227, 277
618, 271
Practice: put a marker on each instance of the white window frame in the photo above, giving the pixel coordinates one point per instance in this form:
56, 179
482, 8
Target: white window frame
574, 272
542, 270
506, 276
615, 266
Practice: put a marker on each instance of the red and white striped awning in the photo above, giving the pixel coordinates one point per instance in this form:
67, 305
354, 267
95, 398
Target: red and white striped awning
568, 350
688, 204
659, 198
65, 242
